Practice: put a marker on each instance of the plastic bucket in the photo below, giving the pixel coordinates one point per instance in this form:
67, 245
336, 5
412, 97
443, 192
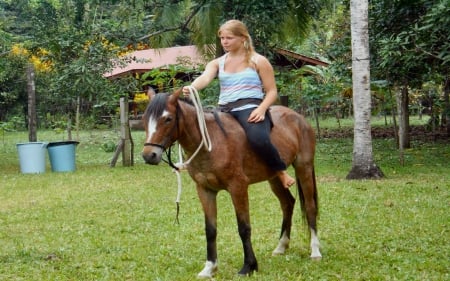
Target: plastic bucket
32, 157
62, 155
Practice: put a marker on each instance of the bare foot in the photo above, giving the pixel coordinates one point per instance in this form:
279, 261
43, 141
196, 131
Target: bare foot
286, 180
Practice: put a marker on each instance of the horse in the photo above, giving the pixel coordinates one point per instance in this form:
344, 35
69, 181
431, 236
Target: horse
231, 165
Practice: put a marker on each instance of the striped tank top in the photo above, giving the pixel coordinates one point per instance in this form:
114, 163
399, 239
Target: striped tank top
240, 85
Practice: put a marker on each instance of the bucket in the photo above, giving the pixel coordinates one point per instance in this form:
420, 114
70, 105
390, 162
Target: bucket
32, 157
62, 155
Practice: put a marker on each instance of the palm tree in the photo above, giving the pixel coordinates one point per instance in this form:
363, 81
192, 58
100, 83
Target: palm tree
363, 165
268, 22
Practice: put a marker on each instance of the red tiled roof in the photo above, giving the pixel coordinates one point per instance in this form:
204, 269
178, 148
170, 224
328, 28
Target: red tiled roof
149, 59
145, 60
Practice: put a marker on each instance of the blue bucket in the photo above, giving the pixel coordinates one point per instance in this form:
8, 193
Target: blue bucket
32, 157
62, 155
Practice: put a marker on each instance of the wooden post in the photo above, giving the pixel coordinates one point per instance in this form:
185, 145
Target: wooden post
284, 100
125, 145
125, 133
32, 117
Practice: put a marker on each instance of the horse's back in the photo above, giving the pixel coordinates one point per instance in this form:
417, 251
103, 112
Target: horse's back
292, 134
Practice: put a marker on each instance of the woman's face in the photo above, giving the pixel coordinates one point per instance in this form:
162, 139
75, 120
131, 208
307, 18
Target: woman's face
231, 42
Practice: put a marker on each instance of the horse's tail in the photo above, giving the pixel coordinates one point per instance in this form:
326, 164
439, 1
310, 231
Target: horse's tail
312, 201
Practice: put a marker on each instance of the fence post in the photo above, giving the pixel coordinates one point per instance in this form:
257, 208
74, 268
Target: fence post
126, 145
284, 100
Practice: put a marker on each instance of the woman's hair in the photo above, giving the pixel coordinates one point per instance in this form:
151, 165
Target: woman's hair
238, 28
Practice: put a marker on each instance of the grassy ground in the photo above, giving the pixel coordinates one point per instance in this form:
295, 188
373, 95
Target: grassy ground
101, 223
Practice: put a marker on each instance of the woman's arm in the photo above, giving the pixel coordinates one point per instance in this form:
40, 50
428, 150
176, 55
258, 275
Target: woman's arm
206, 77
267, 76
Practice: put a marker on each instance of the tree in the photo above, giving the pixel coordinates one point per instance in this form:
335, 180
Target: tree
411, 51
363, 165
269, 22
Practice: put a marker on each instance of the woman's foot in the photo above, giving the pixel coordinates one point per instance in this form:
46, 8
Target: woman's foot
286, 180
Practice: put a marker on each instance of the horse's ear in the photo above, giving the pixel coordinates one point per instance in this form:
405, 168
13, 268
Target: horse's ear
151, 93
177, 92
175, 95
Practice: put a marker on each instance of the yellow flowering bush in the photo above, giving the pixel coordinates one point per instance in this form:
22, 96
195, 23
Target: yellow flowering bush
19, 51
141, 101
36, 59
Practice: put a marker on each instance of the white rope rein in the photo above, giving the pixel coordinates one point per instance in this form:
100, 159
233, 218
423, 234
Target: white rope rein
206, 140
193, 94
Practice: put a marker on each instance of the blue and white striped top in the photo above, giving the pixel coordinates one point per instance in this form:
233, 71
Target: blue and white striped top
240, 85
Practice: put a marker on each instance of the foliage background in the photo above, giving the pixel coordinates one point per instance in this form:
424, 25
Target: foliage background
72, 43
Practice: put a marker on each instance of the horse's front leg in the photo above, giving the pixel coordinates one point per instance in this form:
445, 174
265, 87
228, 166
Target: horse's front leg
209, 204
239, 197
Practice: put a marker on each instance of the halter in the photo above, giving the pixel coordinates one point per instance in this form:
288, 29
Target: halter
163, 147
154, 144
206, 141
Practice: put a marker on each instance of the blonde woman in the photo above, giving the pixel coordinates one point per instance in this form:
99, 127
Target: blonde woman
247, 90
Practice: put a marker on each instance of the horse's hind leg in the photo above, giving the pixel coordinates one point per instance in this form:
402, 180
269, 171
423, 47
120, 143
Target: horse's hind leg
306, 182
287, 203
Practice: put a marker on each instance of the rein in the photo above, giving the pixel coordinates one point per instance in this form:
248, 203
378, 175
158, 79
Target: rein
206, 142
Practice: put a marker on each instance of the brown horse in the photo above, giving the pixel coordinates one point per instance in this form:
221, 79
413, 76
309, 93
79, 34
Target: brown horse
232, 166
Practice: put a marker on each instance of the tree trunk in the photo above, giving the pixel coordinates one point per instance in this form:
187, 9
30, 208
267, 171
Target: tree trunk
403, 118
363, 166
446, 111
125, 134
32, 116
316, 117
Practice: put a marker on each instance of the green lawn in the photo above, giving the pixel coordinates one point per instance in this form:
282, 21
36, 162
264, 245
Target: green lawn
102, 223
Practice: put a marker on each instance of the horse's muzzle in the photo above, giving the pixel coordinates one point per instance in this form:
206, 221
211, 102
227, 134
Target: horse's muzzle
152, 155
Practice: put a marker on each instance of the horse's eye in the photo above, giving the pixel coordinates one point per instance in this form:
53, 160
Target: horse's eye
168, 119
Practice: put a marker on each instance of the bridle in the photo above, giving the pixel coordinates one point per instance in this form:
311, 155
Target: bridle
162, 146
206, 142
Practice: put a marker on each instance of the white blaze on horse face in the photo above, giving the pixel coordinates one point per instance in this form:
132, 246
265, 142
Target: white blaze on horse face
152, 126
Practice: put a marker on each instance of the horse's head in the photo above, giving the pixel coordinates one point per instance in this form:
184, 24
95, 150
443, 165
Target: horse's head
160, 123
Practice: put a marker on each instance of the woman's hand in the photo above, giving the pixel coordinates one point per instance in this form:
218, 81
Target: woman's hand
257, 115
186, 91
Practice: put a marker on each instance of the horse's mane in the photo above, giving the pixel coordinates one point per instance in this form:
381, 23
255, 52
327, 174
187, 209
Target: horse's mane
157, 105
210, 110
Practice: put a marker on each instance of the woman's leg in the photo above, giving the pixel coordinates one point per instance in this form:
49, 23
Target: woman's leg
258, 135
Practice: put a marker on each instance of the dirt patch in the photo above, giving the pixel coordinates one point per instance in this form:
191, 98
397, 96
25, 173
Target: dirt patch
420, 133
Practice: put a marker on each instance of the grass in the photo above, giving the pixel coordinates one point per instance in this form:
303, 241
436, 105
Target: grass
101, 223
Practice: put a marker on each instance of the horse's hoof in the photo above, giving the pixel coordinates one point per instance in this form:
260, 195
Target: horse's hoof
277, 253
208, 271
280, 250
316, 258
247, 270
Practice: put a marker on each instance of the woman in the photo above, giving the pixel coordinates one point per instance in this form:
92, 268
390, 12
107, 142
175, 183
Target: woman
243, 74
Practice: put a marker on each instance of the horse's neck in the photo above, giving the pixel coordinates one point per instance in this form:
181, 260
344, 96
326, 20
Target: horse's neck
190, 137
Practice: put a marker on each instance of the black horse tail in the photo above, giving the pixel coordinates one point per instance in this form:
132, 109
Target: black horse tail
310, 219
